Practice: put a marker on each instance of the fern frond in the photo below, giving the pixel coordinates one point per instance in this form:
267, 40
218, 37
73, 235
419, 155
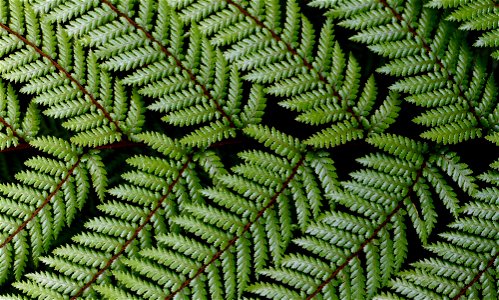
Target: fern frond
322, 88
475, 15
236, 232
45, 199
463, 263
54, 68
156, 190
277, 141
439, 166
436, 67
193, 87
358, 247
494, 138
193, 95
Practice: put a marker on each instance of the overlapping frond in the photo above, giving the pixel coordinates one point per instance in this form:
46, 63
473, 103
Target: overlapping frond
353, 251
247, 220
215, 203
244, 222
435, 66
157, 189
196, 90
277, 50
191, 82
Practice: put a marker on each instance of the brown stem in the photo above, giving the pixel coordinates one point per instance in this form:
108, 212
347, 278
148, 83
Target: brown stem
65, 72
217, 255
19, 147
179, 64
120, 144
135, 234
476, 278
228, 142
41, 206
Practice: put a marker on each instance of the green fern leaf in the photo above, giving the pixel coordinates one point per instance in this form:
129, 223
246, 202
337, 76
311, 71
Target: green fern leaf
34, 211
462, 261
435, 64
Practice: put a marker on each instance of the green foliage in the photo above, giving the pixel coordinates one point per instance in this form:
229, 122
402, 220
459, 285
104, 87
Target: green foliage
195, 149
433, 63
466, 253
475, 15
